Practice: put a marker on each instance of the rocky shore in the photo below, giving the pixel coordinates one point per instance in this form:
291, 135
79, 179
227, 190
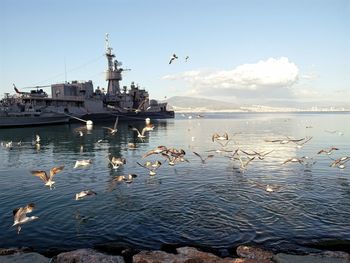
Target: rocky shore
116, 253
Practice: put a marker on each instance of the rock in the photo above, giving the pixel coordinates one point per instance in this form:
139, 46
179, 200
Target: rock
185, 255
254, 253
12, 250
87, 256
193, 253
117, 248
24, 258
324, 257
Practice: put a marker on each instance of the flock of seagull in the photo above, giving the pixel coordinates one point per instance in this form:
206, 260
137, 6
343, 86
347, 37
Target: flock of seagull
172, 156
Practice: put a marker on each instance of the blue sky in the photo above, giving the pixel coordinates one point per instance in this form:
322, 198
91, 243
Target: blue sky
239, 50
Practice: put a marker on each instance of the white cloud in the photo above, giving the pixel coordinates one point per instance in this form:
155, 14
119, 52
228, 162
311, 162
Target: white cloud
273, 73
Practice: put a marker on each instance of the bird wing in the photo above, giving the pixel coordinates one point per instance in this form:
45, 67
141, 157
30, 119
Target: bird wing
19, 214
41, 174
55, 170
143, 166
135, 129
199, 156
116, 123
287, 161
143, 131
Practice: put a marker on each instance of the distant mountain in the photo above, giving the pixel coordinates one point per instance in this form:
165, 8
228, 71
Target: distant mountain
182, 103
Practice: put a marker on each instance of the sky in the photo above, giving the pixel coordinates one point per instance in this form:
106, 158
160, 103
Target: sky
239, 50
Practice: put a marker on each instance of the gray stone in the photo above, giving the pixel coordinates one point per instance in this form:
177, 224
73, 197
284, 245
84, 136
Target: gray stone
312, 258
254, 253
185, 255
87, 256
24, 258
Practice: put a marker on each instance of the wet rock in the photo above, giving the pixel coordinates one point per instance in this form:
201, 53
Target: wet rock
12, 250
254, 253
87, 256
185, 255
117, 248
332, 244
193, 253
324, 257
30, 257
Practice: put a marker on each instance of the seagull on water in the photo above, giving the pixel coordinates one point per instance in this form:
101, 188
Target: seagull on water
79, 163
47, 179
173, 57
84, 193
20, 216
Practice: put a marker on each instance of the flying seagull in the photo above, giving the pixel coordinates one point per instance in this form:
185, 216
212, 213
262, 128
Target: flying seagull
204, 159
186, 58
47, 179
173, 58
113, 130
20, 216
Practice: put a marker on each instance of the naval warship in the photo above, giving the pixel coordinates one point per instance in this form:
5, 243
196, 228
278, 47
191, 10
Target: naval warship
78, 100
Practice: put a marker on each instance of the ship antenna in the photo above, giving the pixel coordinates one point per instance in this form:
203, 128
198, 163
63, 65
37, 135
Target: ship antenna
108, 49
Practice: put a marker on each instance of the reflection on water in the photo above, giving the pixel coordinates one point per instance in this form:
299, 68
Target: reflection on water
214, 203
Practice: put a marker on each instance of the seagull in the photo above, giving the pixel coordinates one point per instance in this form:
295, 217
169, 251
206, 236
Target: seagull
20, 216
127, 179
48, 178
340, 163
113, 130
186, 58
245, 164
152, 167
142, 134
116, 162
216, 136
204, 159
294, 160
260, 155
328, 151
131, 146
173, 58
79, 163
159, 149
84, 193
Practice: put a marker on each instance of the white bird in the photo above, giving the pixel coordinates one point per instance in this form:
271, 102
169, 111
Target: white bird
152, 167
186, 58
173, 57
79, 163
204, 159
113, 130
116, 162
84, 193
141, 134
47, 179
20, 216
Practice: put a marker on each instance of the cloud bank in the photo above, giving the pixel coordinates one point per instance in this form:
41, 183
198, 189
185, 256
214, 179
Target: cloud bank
274, 75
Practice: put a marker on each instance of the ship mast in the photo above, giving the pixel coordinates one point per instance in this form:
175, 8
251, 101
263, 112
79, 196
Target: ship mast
113, 73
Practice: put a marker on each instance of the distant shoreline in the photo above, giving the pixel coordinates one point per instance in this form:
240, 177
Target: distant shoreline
243, 111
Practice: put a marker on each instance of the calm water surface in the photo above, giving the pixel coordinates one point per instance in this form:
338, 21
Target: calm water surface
214, 204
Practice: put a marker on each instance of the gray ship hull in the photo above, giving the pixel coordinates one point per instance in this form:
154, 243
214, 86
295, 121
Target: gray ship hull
8, 122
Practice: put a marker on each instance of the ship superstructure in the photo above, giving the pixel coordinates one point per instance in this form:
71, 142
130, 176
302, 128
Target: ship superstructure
78, 99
